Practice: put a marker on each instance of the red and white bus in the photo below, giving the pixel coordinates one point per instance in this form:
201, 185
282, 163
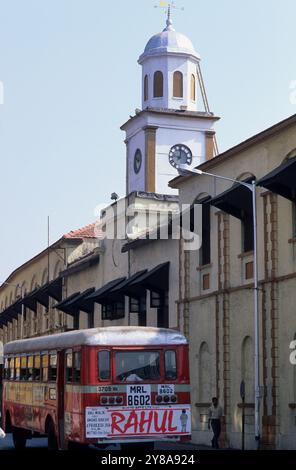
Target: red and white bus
100, 386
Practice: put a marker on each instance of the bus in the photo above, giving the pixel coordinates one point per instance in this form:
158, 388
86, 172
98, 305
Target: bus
126, 385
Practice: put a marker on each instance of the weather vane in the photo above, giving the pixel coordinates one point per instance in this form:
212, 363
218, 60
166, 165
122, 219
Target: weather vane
168, 6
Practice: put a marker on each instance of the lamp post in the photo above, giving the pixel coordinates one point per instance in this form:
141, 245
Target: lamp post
19, 286
183, 170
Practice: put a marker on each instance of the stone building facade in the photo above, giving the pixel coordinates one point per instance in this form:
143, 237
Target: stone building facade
217, 295
21, 314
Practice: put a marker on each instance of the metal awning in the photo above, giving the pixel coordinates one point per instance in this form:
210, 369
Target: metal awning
126, 288
52, 289
104, 294
55, 289
10, 313
40, 296
157, 279
6, 316
30, 301
64, 307
282, 180
17, 307
79, 302
236, 201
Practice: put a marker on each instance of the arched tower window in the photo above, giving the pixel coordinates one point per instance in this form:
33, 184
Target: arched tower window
193, 88
178, 85
158, 85
146, 88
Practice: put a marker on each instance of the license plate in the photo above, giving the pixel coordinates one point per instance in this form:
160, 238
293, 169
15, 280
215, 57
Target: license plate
138, 395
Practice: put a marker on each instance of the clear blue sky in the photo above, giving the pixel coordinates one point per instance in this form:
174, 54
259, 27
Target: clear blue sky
71, 78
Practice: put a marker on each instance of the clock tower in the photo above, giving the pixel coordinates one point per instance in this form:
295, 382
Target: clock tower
170, 128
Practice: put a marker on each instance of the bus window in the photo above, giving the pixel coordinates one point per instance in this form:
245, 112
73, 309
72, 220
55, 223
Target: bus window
30, 368
44, 365
6, 369
104, 365
17, 368
36, 369
69, 367
134, 366
77, 367
11, 369
170, 365
23, 375
52, 370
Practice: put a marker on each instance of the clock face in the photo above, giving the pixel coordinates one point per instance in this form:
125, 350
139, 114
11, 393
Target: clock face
137, 161
180, 154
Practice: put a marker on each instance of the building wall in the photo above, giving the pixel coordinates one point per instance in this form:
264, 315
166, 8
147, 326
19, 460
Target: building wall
148, 256
220, 318
166, 138
34, 274
136, 181
171, 130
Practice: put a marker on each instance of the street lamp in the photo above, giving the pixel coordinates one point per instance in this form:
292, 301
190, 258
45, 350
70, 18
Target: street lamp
183, 170
19, 286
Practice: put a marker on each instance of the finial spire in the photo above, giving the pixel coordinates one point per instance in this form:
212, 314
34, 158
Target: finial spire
169, 23
168, 6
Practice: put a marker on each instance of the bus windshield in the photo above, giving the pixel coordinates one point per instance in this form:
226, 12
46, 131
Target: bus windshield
134, 366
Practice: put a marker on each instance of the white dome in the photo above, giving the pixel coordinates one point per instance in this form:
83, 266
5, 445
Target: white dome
168, 41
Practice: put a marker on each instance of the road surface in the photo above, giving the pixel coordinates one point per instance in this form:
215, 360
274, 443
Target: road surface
7, 444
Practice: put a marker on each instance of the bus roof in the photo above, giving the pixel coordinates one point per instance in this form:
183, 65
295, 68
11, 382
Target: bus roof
109, 336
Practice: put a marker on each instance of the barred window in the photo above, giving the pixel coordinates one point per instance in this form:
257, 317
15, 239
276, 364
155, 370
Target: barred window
69, 367
104, 365
52, 369
77, 367
30, 368
23, 375
37, 367
44, 364
17, 368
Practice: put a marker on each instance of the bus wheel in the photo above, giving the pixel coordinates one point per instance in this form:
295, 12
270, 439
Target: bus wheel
19, 438
52, 441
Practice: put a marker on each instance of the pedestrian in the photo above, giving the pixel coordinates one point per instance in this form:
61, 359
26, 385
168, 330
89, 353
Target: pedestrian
215, 415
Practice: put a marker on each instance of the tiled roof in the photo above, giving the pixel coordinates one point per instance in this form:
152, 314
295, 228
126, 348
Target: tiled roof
89, 231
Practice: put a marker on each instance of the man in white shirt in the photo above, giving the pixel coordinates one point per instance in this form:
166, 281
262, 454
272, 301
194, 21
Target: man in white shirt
215, 415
